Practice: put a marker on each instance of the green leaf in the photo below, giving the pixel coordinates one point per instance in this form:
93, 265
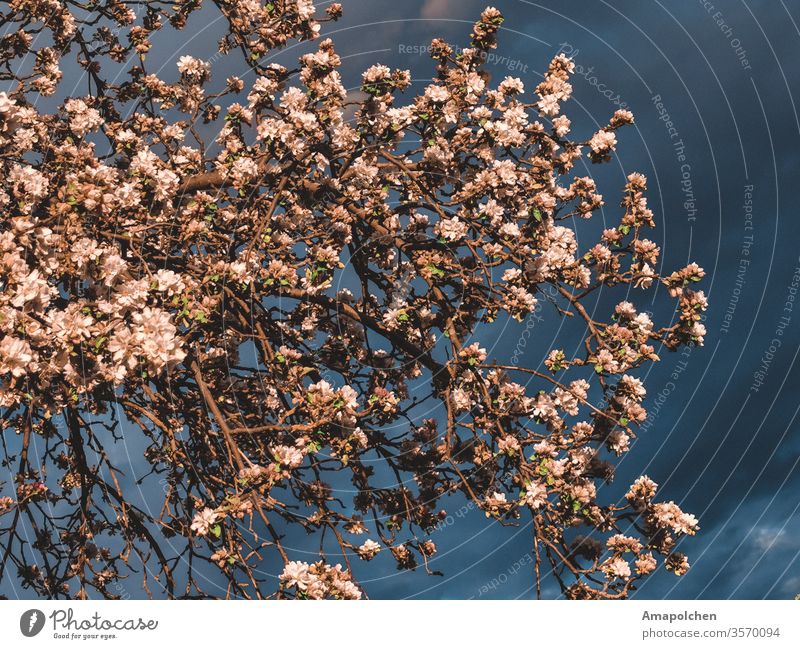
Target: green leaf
216, 530
434, 270
598, 368
624, 421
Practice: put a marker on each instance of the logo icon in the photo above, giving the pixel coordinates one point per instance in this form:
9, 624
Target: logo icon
31, 622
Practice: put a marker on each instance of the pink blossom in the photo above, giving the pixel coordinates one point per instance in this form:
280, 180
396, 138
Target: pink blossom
203, 521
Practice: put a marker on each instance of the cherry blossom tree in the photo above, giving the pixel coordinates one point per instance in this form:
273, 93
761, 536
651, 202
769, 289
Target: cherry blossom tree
296, 305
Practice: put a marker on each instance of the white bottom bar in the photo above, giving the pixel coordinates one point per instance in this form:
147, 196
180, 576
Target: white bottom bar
400, 624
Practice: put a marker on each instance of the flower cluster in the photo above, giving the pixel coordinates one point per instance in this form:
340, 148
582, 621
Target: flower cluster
291, 299
319, 581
